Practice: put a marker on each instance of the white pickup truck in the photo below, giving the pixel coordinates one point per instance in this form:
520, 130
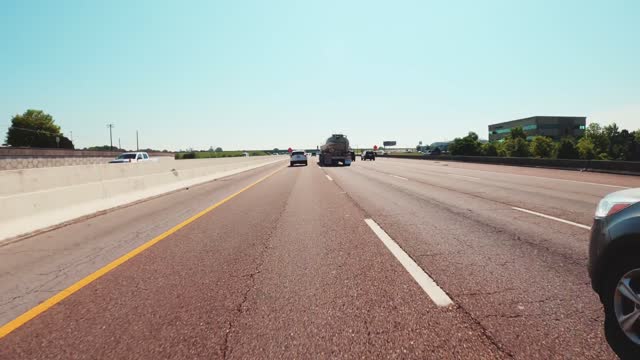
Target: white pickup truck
129, 157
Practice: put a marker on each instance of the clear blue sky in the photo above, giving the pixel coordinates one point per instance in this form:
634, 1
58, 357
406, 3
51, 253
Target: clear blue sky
261, 74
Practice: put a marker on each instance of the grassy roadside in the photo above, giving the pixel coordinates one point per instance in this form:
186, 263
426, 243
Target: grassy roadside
213, 154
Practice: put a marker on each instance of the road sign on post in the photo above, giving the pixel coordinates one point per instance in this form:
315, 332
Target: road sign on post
375, 147
290, 150
389, 143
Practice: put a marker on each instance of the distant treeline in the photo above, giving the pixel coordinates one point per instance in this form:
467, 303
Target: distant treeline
598, 143
115, 148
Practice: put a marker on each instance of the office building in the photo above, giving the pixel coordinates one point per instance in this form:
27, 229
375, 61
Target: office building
555, 127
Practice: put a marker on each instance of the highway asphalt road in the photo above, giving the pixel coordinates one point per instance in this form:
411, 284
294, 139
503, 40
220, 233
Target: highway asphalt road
392, 258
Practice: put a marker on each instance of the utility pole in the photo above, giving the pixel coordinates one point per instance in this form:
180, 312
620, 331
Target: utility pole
137, 144
119, 146
110, 126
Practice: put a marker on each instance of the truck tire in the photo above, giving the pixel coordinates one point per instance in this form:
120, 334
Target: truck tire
291, 164
305, 163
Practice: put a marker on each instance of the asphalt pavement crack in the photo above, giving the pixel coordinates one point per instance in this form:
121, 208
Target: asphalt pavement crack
242, 307
483, 330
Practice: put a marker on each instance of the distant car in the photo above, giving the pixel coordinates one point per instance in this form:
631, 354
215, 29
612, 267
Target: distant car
298, 157
131, 157
614, 268
313, 154
368, 155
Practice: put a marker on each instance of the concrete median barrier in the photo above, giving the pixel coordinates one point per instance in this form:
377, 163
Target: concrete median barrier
35, 199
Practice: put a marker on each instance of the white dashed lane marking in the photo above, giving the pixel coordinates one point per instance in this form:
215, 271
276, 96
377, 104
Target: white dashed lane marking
552, 218
437, 295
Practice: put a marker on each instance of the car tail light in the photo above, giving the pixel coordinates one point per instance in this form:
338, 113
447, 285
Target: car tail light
606, 208
617, 208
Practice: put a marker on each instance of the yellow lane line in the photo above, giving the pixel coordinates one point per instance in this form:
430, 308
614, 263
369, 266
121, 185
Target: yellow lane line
44, 306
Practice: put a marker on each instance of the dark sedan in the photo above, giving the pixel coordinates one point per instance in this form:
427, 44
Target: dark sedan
368, 155
614, 267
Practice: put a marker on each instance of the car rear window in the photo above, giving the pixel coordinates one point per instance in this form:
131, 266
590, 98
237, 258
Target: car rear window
127, 156
297, 153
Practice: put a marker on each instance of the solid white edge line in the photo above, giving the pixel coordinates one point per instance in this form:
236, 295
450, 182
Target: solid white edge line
437, 295
328, 177
552, 218
399, 177
576, 181
533, 176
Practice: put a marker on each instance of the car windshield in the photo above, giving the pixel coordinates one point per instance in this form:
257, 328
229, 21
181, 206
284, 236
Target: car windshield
126, 156
148, 209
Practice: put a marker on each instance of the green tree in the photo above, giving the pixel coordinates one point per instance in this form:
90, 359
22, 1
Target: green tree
517, 147
612, 132
35, 128
517, 133
502, 148
586, 149
625, 146
218, 149
566, 149
595, 133
636, 145
541, 147
489, 149
468, 145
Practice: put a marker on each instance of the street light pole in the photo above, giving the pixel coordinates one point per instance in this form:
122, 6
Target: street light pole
110, 126
137, 144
